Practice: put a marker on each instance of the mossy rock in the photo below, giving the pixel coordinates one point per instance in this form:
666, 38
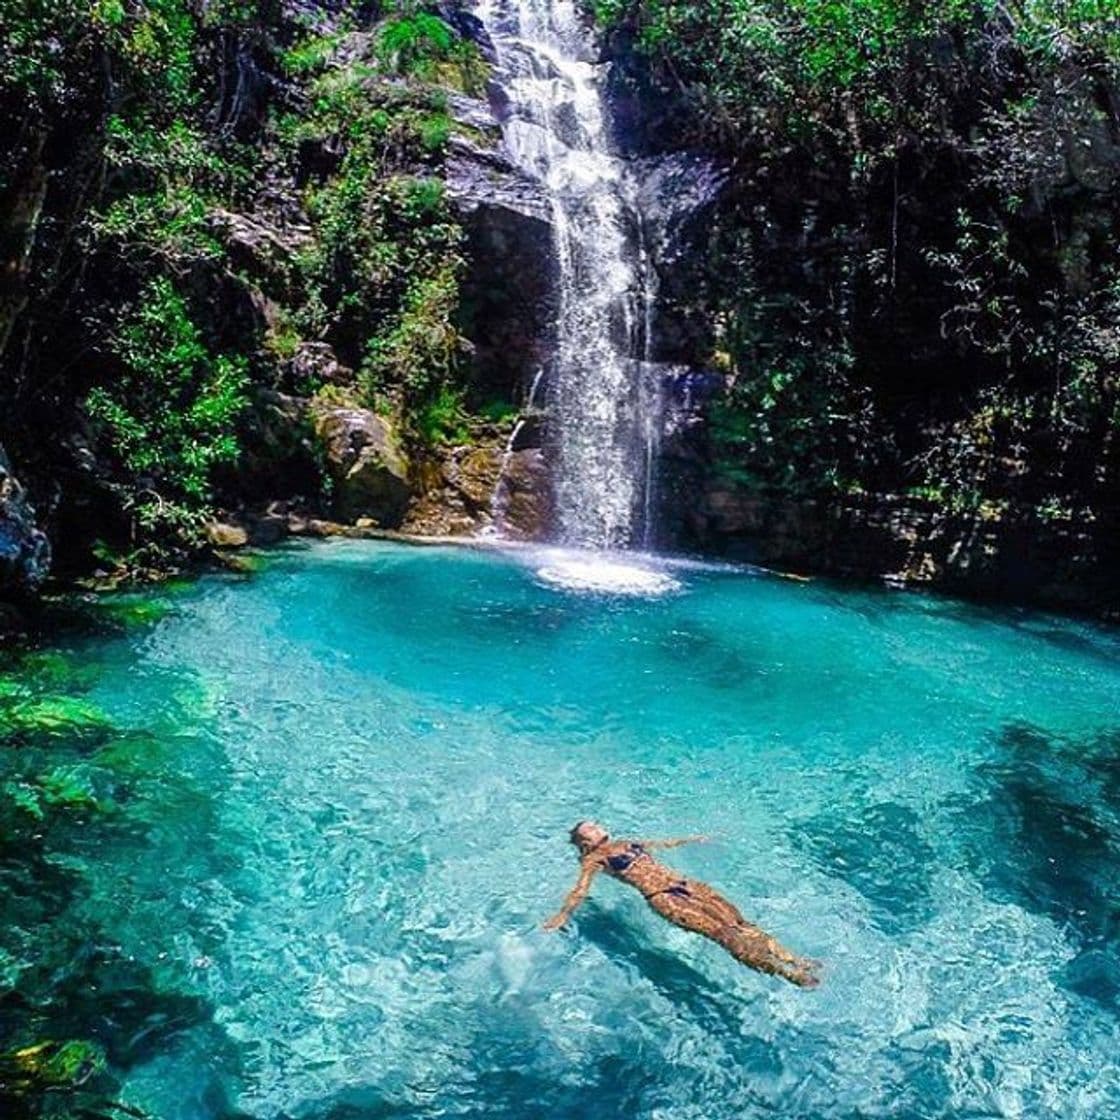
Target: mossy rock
52, 1065
52, 716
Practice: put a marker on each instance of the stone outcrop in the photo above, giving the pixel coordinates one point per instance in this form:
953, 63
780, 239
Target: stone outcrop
510, 291
524, 502
25, 553
280, 457
1010, 555
366, 465
456, 490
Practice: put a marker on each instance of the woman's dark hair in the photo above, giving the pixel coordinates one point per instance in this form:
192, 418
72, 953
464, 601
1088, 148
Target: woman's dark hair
572, 835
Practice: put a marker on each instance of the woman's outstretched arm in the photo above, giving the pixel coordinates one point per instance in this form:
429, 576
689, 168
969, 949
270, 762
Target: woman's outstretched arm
575, 896
674, 843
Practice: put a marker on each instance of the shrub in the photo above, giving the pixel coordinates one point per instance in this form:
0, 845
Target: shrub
170, 416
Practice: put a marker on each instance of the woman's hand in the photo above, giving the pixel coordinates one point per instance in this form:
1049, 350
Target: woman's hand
576, 895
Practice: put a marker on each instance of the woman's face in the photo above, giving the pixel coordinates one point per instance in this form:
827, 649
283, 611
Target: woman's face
587, 835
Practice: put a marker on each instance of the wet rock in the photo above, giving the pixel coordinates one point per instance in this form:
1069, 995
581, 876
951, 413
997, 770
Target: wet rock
474, 473
905, 542
469, 26
485, 178
510, 293
225, 534
525, 502
456, 490
25, 553
315, 363
677, 196
365, 463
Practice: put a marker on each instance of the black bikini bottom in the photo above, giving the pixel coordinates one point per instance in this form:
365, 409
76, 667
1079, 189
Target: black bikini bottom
677, 890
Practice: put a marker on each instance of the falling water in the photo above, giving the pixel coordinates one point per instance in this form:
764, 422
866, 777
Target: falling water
557, 130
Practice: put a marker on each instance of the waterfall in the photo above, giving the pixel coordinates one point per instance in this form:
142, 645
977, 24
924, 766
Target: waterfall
602, 416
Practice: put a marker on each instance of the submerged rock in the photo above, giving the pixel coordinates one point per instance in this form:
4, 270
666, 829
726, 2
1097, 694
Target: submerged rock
365, 462
25, 552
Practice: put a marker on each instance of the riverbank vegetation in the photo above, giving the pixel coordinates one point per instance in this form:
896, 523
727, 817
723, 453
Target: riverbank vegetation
220, 219
914, 281
204, 202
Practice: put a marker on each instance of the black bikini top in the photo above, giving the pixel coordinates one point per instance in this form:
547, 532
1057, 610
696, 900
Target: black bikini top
624, 860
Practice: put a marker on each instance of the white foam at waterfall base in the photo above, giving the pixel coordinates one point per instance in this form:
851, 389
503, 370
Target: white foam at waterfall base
603, 573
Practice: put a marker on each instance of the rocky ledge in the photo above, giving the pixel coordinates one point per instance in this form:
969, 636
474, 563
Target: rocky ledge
25, 553
1007, 555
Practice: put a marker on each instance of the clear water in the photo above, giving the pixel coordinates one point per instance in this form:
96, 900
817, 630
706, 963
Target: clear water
336, 816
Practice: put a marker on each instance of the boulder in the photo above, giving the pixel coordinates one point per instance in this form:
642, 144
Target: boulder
456, 489
315, 363
365, 462
524, 503
25, 552
224, 534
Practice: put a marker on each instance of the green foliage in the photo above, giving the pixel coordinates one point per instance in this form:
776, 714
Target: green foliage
382, 272
443, 418
143, 145
420, 45
30, 32
911, 282
157, 38
311, 55
413, 40
419, 351
176, 178
499, 411
170, 416
153, 42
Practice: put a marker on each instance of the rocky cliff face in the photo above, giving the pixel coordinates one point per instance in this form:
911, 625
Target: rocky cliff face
378, 283
25, 553
1010, 556
331, 211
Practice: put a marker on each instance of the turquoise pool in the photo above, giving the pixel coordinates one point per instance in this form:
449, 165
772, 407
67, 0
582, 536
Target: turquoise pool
285, 849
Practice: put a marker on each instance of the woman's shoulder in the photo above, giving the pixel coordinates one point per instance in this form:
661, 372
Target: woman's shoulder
605, 852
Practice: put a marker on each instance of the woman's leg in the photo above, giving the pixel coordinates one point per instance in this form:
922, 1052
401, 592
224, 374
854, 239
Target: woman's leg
700, 909
758, 950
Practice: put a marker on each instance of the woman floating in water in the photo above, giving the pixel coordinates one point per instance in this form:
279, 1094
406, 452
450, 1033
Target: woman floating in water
684, 902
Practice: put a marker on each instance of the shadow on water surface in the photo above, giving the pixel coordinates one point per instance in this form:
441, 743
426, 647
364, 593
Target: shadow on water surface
1046, 836
879, 851
688, 988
